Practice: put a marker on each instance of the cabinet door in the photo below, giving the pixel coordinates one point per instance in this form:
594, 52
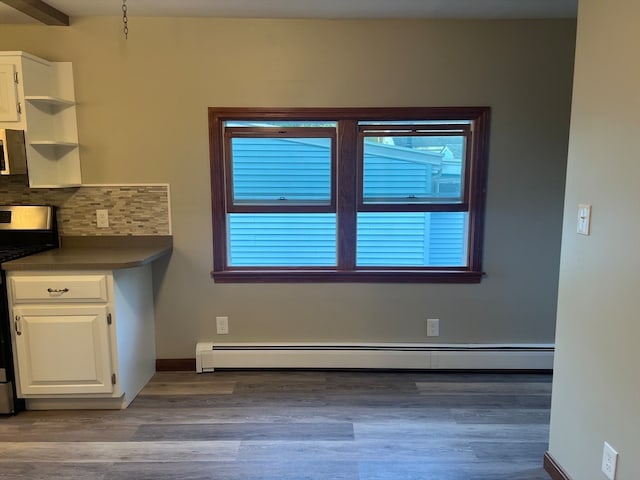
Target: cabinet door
8, 94
62, 350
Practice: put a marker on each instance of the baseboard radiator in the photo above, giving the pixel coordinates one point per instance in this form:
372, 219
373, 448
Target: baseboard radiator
210, 355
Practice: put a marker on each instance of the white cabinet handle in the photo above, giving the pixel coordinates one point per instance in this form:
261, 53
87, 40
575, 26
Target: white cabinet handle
17, 325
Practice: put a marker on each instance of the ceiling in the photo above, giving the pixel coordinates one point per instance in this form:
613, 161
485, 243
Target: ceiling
11, 11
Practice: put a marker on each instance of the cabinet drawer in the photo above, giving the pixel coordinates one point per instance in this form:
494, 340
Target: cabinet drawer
76, 288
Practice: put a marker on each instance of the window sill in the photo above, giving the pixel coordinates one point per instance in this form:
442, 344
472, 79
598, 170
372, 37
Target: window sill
334, 276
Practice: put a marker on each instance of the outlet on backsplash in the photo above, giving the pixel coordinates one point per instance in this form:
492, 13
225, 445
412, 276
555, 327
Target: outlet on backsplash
102, 218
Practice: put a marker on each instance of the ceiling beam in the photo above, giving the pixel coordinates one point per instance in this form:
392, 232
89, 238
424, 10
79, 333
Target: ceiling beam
40, 11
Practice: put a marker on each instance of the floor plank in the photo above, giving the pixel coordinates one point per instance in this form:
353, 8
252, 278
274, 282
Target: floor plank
100, 452
246, 431
264, 425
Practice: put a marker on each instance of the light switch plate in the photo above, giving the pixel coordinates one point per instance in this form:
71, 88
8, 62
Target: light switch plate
584, 219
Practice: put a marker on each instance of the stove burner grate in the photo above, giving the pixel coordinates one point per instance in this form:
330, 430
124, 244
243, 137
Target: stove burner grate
11, 252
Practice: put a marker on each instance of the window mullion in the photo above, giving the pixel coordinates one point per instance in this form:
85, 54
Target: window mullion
347, 187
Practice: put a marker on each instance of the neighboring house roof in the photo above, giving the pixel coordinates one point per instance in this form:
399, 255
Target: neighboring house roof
391, 152
397, 152
435, 143
436, 152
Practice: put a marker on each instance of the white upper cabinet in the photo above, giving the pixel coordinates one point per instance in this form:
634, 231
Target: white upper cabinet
9, 106
37, 96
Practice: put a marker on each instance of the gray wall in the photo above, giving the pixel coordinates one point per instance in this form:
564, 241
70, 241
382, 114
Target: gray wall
143, 119
596, 391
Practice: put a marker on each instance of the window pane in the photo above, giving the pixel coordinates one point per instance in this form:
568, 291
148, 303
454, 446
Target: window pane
281, 170
413, 169
279, 240
415, 239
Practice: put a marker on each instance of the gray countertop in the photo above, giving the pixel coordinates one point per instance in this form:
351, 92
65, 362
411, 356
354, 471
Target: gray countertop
96, 253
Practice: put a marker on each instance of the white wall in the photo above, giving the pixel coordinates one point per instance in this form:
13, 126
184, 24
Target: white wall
142, 117
596, 389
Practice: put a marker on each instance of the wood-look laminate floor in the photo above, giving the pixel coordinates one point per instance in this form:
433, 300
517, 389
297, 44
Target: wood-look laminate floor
295, 425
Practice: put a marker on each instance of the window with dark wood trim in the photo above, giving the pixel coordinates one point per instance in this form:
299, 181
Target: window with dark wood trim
348, 194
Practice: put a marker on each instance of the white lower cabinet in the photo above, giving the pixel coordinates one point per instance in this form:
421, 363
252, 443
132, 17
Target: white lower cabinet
82, 339
63, 349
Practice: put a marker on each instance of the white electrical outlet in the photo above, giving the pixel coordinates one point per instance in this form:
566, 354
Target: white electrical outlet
433, 327
102, 218
222, 325
609, 460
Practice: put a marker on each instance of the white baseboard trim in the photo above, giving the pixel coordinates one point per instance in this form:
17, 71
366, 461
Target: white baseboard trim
210, 355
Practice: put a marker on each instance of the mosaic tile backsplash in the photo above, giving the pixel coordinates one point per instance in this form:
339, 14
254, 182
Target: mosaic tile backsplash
133, 209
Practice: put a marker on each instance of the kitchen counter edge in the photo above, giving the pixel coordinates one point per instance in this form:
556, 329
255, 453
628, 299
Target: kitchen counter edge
96, 253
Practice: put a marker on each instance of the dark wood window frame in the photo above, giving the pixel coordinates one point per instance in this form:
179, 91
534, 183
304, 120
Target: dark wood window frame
346, 196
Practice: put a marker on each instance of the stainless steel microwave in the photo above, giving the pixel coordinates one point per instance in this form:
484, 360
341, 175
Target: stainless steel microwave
13, 154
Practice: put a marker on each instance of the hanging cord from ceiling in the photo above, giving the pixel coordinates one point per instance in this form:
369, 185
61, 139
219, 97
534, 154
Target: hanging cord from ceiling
125, 20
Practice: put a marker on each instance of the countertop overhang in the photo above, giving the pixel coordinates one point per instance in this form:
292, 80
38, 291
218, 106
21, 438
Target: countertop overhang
100, 253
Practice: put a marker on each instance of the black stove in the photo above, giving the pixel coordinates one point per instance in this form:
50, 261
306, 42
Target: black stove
11, 252
24, 230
